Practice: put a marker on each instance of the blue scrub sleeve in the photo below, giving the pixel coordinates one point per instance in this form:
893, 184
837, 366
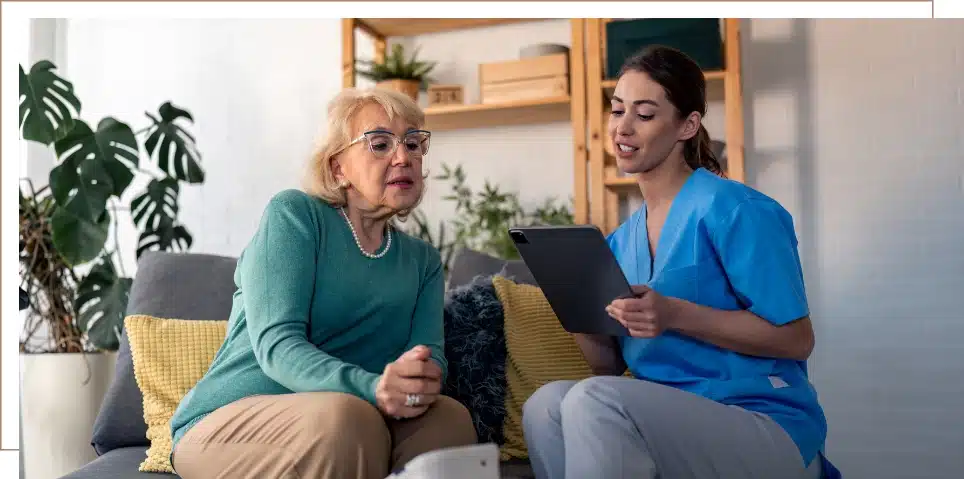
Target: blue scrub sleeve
757, 246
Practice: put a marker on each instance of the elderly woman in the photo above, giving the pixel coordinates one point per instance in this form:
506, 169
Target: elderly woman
333, 359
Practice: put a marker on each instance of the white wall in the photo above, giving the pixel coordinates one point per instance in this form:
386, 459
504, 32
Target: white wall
854, 125
257, 90
857, 127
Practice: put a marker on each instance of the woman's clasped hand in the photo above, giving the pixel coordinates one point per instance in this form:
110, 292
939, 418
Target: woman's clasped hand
409, 385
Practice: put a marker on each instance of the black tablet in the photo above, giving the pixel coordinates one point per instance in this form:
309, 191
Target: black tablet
577, 273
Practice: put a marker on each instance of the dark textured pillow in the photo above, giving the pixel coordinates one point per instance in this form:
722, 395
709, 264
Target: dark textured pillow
167, 285
476, 352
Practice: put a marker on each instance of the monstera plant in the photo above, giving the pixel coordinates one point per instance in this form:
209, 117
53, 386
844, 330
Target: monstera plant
73, 281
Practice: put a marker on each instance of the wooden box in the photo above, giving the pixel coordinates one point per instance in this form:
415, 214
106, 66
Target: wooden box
527, 79
439, 95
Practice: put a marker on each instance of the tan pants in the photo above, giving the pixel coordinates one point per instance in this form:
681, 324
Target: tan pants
315, 436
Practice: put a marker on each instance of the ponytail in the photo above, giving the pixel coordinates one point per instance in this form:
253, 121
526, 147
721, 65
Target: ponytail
698, 153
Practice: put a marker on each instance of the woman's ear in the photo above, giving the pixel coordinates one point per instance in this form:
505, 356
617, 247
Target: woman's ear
690, 126
336, 169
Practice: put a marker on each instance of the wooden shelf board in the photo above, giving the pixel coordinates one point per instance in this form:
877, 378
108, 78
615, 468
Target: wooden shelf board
710, 76
404, 27
455, 117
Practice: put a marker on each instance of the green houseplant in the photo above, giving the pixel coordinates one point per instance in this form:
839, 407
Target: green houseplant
396, 72
482, 218
74, 285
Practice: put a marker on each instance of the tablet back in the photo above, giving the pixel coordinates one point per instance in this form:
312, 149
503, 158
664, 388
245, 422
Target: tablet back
577, 273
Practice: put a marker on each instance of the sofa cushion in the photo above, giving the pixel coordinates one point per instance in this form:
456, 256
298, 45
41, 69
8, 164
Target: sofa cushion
538, 351
120, 463
170, 357
167, 285
468, 264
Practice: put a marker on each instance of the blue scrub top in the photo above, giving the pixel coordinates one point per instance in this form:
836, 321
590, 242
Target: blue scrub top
726, 246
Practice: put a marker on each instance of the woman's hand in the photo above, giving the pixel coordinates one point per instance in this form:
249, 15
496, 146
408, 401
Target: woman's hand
409, 385
645, 315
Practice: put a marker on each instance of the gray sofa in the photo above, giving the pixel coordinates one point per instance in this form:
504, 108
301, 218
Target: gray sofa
197, 287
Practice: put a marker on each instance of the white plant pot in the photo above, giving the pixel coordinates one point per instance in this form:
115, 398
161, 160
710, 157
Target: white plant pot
58, 409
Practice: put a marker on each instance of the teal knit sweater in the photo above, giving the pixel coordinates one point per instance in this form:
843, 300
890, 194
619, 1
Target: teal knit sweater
311, 313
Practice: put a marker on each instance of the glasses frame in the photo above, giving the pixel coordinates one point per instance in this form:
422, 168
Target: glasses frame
398, 141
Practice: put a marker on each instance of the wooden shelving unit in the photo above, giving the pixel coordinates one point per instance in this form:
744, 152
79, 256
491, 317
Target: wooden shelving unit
570, 108
407, 27
456, 117
606, 186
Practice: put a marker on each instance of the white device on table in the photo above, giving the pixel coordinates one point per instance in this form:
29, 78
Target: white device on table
479, 461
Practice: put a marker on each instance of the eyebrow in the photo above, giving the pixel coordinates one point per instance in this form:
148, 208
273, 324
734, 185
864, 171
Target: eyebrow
385, 129
637, 102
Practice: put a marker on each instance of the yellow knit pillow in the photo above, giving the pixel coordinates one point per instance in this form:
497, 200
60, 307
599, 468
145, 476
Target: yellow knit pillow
538, 351
170, 356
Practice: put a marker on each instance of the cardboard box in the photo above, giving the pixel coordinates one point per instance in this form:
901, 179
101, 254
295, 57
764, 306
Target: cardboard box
527, 79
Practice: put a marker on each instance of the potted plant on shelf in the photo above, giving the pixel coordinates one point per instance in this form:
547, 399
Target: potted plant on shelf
74, 288
408, 76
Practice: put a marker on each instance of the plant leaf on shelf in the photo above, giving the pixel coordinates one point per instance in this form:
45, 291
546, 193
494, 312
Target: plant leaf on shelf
396, 66
101, 304
166, 237
174, 147
157, 205
45, 104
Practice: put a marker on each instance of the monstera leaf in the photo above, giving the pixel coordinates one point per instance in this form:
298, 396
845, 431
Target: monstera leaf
93, 167
101, 159
102, 303
173, 145
166, 237
157, 205
45, 101
78, 239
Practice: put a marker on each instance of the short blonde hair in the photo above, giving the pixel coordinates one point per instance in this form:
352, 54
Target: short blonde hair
319, 179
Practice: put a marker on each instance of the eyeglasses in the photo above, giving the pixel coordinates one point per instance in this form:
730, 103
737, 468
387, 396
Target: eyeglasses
384, 143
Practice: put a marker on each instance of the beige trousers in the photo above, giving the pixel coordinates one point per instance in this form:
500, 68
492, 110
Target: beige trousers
315, 436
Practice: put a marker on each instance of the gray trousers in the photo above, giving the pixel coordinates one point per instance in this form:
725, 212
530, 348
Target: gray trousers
610, 427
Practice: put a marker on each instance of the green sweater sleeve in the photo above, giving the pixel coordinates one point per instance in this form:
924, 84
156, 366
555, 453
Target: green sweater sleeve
277, 279
427, 320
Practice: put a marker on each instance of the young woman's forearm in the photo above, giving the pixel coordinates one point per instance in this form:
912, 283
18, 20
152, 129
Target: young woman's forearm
602, 353
743, 331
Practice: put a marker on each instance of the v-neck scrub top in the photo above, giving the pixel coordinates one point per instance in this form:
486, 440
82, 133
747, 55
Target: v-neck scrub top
727, 246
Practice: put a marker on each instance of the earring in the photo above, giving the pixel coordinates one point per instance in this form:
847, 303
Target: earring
344, 184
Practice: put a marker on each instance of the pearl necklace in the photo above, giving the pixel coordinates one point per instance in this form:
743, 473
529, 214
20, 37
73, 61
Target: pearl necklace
388, 244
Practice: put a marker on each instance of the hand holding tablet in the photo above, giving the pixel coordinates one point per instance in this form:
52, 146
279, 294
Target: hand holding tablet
645, 315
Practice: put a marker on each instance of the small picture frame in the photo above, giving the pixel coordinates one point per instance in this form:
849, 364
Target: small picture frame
439, 95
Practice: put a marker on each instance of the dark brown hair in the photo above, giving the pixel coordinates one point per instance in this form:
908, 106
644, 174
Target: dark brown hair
685, 87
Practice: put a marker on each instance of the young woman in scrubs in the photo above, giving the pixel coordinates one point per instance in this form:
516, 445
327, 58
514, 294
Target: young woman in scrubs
719, 327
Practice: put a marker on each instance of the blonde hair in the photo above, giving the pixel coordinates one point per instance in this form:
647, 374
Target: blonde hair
319, 179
